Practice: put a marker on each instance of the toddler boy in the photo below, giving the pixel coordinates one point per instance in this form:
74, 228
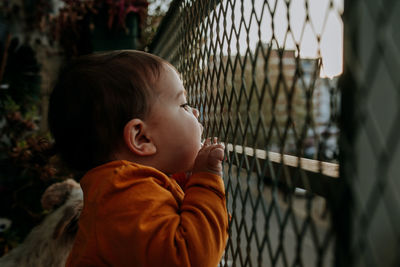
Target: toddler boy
122, 117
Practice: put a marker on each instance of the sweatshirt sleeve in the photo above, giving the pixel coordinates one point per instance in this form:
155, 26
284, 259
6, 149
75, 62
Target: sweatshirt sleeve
143, 224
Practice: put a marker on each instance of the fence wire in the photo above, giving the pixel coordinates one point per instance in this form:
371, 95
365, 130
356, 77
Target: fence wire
266, 78
370, 140
277, 116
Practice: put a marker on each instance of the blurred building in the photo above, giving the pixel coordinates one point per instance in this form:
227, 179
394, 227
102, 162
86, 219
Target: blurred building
283, 94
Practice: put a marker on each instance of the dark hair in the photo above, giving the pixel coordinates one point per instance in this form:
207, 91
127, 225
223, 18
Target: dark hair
93, 99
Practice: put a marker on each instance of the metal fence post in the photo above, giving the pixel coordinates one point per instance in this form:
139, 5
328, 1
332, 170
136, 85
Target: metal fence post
369, 232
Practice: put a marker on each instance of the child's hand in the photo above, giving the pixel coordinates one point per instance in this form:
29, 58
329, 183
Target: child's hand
210, 157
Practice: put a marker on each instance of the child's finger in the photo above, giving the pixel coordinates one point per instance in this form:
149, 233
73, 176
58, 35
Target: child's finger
221, 145
205, 149
207, 142
208, 146
218, 145
217, 153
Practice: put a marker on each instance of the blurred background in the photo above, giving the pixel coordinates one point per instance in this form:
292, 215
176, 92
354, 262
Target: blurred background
36, 38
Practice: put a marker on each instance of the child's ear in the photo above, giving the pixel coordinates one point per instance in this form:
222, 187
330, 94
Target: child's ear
135, 137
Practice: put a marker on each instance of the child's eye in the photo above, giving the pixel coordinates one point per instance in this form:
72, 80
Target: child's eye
186, 106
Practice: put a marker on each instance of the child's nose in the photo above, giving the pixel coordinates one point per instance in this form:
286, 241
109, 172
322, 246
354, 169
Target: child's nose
195, 112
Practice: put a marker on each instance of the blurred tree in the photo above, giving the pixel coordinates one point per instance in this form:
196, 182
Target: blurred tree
156, 11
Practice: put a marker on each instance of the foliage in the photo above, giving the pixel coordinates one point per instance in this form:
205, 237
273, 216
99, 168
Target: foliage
26, 165
157, 10
79, 22
25, 172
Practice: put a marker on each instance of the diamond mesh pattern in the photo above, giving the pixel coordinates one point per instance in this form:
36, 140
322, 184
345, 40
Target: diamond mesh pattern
254, 70
371, 143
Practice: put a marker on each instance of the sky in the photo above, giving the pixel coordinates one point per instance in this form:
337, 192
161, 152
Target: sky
325, 21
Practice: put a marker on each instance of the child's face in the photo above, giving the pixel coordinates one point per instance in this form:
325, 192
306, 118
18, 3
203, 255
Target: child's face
175, 129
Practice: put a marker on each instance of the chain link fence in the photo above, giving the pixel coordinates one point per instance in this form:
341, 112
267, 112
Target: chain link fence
267, 79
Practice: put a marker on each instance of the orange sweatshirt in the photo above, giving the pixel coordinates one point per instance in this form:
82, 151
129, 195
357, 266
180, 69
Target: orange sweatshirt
135, 215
